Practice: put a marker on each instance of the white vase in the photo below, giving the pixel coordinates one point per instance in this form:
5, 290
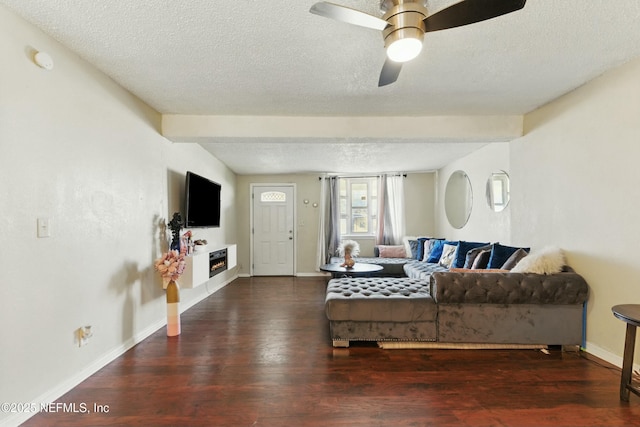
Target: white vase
173, 309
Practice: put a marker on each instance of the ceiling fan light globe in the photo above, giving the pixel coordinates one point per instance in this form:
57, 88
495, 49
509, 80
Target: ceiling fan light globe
404, 50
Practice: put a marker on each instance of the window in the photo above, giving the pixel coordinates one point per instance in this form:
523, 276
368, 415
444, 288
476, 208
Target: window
273, 196
358, 206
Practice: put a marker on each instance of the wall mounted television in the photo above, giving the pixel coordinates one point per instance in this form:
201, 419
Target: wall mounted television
202, 201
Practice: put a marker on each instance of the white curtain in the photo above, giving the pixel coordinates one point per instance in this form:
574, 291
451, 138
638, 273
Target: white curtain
329, 229
382, 203
391, 211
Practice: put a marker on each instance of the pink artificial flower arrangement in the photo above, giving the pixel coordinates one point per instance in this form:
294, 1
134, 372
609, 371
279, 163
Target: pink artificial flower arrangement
171, 265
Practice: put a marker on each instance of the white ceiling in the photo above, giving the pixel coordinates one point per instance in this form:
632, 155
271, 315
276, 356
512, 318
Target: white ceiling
274, 58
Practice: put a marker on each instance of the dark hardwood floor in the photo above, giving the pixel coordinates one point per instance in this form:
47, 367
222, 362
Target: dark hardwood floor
257, 353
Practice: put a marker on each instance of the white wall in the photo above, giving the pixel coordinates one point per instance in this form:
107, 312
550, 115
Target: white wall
78, 149
484, 225
419, 199
576, 184
307, 218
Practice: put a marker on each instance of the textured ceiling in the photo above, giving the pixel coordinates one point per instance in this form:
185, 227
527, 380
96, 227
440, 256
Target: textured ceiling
256, 58
347, 156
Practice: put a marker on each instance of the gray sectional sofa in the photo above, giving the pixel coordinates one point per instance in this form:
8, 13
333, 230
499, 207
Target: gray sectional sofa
514, 308
399, 267
433, 304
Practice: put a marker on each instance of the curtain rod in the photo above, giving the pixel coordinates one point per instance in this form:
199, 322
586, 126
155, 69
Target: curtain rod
404, 175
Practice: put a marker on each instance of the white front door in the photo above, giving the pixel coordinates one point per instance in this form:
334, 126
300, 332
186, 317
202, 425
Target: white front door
273, 230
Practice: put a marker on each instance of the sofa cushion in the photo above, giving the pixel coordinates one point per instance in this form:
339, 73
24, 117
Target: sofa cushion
500, 254
508, 288
514, 259
448, 255
549, 260
436, 250
463, 249
480, 270
425, 244
421, 241
413, 246
421, 270
387, 251
379, 299
410, 246
473, 254
482, 260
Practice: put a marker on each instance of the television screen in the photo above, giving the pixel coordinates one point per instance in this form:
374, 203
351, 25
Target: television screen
202, 202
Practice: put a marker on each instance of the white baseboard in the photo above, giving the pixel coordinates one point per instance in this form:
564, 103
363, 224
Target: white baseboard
67, 385
607, 356
211, 290
64, 387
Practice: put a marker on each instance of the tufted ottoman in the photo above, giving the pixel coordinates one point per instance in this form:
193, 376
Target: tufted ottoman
380, 309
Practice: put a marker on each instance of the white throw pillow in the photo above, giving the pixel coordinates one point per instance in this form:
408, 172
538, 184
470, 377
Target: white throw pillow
549, 260
448, 254
407, 245
426, 250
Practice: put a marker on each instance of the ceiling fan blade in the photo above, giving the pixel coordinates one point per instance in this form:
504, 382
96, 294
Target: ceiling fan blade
390, 72
348, 15
469, 12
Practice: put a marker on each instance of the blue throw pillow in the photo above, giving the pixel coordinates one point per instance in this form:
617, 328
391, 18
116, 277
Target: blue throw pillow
500, 254
461, 254
436, 251
413, 245
420, 253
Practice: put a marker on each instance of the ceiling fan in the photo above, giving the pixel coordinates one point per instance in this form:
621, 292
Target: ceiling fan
404, 23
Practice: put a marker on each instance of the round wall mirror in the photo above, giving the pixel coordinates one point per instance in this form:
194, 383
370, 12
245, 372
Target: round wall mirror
458, 199
498, 193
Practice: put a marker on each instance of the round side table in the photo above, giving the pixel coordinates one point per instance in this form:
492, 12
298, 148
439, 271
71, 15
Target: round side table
629, 313
359, 269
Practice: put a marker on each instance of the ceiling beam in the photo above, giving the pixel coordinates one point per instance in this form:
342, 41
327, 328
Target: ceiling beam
189, 128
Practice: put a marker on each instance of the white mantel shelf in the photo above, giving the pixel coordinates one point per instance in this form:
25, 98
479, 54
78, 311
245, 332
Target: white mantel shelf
196, 271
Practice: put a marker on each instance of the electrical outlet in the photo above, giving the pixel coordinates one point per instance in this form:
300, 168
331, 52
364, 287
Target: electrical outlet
83, 334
